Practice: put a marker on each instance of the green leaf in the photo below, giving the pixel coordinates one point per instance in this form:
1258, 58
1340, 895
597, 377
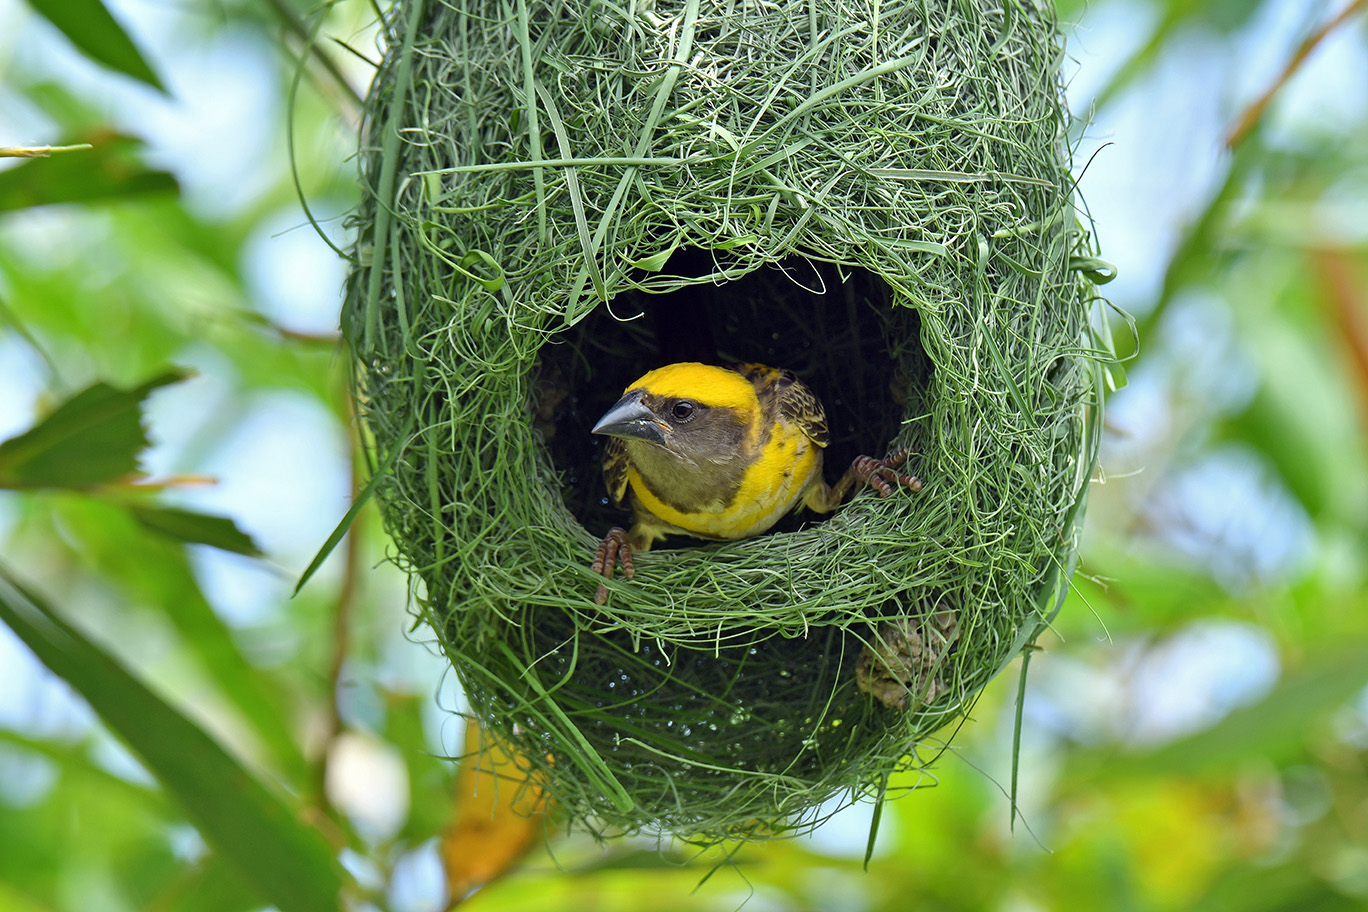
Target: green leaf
98, 35
1303, 418
73, 759
110, 169
1274, 728
1222, 16
213, 887
153, 571
1277, 888
11, 900
258, 835
93, 437
195, 528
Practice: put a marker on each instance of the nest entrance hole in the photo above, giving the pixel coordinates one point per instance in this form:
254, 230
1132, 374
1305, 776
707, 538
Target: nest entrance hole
837, 327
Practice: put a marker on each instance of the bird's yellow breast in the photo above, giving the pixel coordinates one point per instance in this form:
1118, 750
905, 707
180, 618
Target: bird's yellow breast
771, 487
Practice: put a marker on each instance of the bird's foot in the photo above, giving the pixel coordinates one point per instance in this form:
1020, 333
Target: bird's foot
882, 474
613, 548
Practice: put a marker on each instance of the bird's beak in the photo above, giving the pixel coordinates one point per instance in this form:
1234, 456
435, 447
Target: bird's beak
631, 418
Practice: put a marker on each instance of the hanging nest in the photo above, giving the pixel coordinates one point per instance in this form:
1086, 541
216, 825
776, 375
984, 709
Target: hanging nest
560, 196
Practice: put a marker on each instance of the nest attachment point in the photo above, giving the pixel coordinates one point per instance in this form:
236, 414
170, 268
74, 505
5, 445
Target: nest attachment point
560, 196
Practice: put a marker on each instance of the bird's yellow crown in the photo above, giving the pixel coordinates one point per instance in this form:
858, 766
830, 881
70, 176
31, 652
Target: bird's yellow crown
713, 386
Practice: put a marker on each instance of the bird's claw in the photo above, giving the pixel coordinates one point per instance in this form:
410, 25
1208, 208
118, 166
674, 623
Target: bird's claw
613, 548
882, 474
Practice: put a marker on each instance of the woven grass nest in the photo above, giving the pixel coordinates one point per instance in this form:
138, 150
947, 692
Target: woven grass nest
560, 196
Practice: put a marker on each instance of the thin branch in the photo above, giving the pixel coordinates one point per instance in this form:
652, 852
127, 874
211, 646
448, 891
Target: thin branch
296, 27
1343, 283
1253, 115
343, 611
40, 151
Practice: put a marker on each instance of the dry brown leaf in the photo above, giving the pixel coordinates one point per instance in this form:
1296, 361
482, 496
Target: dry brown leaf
498, 813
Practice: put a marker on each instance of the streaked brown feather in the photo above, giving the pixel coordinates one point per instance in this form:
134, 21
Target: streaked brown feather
615, 464
781, 390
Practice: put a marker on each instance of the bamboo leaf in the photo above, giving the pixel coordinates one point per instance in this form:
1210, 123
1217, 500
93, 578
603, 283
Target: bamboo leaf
1275, 728
12, 900
89, 25
195, 528
93, 437
258, 835
153, 571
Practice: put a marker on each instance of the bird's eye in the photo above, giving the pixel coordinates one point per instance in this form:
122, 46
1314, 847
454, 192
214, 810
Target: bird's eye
683, 410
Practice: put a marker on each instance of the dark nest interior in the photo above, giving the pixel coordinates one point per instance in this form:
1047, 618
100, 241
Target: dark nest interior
838, 329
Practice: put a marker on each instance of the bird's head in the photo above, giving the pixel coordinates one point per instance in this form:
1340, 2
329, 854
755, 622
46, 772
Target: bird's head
696, 412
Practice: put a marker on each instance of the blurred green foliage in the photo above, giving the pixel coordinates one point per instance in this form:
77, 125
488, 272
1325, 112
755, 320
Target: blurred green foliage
1196, 731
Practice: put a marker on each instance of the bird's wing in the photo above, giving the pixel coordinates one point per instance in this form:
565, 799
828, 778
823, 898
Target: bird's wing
800, 405
615, 470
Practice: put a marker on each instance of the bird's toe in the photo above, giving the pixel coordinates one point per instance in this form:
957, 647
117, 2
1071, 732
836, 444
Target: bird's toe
612, 549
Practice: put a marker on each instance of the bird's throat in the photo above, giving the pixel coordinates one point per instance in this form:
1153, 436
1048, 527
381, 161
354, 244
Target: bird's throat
684, 485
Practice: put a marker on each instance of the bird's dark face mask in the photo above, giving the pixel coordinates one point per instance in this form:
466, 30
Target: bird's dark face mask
694, 433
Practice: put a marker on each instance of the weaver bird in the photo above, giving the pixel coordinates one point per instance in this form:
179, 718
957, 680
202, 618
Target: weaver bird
719, 453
